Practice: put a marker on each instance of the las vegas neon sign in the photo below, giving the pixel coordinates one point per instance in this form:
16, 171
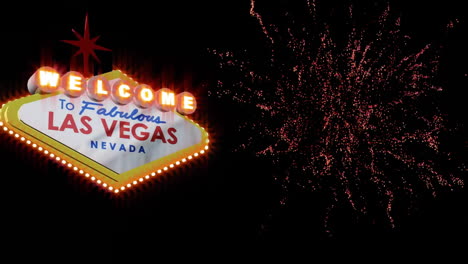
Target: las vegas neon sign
108, 128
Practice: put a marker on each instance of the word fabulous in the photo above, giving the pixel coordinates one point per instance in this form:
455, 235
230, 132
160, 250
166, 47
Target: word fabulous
98, 88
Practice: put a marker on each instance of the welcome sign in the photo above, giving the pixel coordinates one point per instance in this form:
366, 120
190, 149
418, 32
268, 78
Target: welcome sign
108, 128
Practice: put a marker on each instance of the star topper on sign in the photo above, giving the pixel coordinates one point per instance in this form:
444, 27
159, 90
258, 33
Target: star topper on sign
86, 46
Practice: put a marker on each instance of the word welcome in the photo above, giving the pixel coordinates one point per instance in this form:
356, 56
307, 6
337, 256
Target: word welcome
98, 88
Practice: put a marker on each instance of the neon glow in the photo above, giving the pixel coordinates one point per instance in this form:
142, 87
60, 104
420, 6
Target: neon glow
98, 88
73, 84
165, 100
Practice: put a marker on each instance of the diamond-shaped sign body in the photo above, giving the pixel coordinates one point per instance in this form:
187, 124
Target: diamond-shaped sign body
117, 146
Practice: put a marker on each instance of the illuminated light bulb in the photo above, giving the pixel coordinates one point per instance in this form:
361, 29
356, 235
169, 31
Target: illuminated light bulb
75, 168
177, 163
202, 152
196, 154
207, 141
46, 152
57, 158
135, 182
22, 139
186, 104
184, 160
44, 80
165, 168
40, 148
28, 142
206, 147
121, 92
16, 136
98, 88
190, 157
11, 132
144, 96
1, 123
34, 145
81, 171
116, 191
159, 171
5, 128
111, 188
52, 155
171, 166
122, 188
147, 177
73, 83
86, 175
165, 100
141, 179
99, 181
69, 165
104, 185
153, 174
93, 178
129, 185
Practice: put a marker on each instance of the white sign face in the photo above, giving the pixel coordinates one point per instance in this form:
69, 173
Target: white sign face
118, 137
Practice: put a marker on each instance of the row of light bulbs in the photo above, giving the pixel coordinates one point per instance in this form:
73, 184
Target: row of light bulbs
92, 178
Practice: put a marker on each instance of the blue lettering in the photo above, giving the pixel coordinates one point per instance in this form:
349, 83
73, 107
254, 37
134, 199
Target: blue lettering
101, 111
86, 107
113, 112
134, 112
95, 144
158, 120
131, 148
142, 150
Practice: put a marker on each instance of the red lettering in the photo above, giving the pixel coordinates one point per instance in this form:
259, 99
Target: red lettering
142, 135
109, 131
84, 121
69, 122
171, 132
158, 134
124, 127
51, 121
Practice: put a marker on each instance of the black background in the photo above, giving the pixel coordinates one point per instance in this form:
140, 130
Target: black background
226, 202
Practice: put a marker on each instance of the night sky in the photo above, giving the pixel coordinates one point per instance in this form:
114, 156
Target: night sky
227, 202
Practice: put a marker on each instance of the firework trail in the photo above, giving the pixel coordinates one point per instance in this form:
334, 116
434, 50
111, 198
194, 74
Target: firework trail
354, 119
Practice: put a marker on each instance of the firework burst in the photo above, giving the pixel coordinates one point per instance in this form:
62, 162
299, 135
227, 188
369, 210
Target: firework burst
354, 118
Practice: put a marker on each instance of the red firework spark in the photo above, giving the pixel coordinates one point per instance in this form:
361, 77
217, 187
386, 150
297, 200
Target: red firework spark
354, 120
